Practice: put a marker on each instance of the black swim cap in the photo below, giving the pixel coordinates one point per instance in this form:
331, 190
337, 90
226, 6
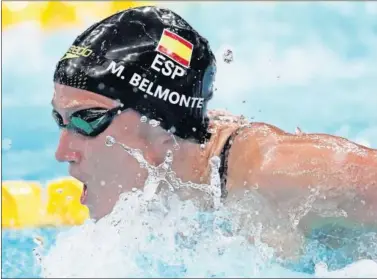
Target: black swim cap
151, 60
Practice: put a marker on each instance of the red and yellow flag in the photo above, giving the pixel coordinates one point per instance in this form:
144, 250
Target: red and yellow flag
175, 47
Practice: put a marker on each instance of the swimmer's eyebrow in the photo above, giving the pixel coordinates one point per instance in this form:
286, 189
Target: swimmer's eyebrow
70, 109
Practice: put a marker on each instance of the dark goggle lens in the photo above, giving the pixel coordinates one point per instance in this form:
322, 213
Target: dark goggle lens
58, 119
88, 122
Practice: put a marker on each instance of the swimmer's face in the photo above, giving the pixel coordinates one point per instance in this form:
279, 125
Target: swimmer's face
106, 171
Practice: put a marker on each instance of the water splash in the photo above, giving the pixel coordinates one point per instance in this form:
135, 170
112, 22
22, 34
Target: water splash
163, 173
154, 233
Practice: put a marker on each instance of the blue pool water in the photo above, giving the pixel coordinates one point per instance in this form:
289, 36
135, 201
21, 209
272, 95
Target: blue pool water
20, 262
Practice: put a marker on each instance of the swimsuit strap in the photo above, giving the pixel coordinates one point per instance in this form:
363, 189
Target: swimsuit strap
224, 163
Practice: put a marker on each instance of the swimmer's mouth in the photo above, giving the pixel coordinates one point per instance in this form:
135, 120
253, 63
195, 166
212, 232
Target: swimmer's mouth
84, 194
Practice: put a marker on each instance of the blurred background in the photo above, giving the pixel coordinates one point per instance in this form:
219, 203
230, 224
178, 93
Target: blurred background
306, 64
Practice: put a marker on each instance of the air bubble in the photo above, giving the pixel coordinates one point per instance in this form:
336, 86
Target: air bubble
103, 183
110, 141
143, 119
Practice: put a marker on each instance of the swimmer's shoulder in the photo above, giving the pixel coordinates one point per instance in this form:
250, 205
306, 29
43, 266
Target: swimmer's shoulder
257, 133
250, 145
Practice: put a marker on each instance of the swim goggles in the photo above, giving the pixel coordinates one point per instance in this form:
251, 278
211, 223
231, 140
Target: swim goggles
88, 122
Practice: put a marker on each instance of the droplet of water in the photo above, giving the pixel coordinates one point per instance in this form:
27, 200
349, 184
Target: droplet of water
143, 119
120, 186
110, 141
154, 123
194, 129
202, 146
134, 189
103, 183
172, 129
228, 56
101, 86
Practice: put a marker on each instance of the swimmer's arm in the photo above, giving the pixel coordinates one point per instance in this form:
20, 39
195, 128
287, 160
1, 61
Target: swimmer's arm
285, 165
335, 163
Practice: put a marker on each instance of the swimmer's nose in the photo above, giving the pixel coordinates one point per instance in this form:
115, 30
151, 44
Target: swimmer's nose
64, 152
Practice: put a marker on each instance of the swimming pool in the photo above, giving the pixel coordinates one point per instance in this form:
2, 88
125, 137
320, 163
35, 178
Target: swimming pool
306, 64
181, 243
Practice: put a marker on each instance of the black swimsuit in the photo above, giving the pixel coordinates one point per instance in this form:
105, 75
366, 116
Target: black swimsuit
224, 163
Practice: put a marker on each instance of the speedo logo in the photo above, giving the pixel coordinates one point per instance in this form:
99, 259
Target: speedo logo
77, 51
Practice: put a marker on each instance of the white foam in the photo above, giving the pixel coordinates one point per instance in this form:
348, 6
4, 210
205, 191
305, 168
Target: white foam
362, 268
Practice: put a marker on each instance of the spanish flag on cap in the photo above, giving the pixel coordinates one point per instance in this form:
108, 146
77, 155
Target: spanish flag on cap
175, 47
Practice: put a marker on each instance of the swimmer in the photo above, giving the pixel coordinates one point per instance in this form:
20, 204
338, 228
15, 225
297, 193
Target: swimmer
148, 61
